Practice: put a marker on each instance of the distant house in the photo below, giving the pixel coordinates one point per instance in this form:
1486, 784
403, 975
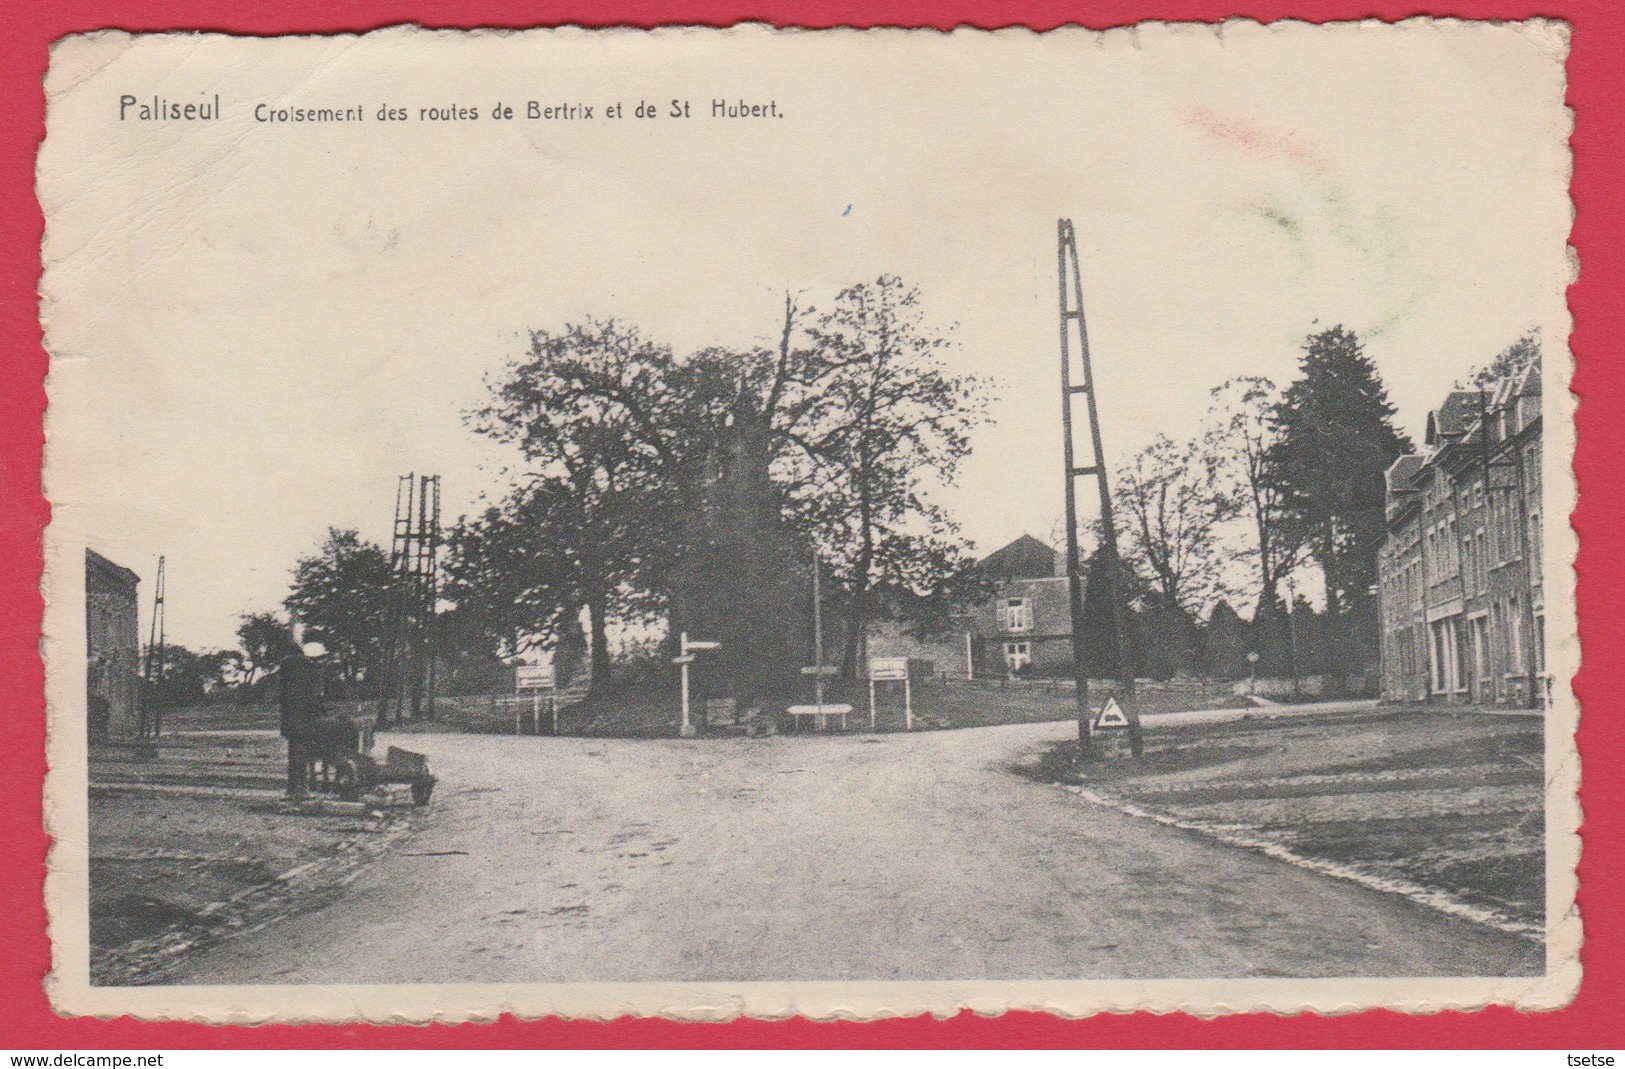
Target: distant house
112, 645
1025, 625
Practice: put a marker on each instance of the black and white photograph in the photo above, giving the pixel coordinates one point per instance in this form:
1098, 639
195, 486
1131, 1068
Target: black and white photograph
711, 522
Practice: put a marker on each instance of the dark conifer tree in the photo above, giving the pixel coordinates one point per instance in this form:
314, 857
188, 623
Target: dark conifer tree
1336, 439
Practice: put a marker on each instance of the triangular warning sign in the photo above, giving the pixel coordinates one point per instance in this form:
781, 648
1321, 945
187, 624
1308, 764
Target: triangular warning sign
1111, 716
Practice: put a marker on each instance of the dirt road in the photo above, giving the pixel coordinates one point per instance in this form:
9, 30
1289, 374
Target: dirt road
823, 858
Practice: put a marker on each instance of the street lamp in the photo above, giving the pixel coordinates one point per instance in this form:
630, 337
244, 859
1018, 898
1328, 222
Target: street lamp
1252, 669
689, 651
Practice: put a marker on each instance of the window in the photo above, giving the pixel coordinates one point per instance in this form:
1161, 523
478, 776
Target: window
1018, 614
1534, 546
1445, 657
1515, 634
1017, 655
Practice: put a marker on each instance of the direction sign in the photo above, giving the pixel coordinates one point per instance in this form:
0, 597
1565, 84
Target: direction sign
821, 670
533, 677
1111, 716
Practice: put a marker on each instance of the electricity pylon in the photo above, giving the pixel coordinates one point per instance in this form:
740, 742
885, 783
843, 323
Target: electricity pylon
1081, 372
150, 722
406, 686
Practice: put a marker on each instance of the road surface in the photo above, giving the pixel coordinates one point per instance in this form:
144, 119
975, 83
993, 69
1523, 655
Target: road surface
886, 857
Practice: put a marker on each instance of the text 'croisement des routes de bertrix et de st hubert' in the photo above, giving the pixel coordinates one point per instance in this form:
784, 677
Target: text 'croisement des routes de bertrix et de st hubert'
207, 107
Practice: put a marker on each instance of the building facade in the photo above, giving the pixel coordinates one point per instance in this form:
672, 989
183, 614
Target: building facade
1459, 573
113, 646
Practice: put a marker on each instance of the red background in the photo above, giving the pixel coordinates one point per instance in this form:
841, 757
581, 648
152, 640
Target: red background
1596, 84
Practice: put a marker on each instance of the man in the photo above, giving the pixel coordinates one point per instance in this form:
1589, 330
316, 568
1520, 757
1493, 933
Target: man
300, 690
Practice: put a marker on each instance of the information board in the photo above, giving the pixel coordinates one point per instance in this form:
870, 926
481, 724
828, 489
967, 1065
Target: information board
888, 668
533, 677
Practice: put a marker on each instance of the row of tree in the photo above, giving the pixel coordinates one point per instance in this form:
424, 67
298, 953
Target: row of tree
692, 492
1275, 481
696, 489
1278, 482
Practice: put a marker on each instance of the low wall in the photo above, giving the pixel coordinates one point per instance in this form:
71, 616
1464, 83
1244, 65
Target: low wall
1306, 686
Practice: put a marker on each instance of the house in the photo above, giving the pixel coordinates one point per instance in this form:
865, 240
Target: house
1024, 625
1459, 571
1027, 624
112, 645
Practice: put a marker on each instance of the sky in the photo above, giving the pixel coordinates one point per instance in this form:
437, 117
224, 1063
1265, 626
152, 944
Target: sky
256, 327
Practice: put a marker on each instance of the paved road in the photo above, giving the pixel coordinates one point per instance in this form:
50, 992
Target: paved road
823, 858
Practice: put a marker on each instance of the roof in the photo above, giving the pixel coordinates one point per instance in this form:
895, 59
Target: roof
1452, 418
1025, 558
96, 562
1529, 381
1401, 474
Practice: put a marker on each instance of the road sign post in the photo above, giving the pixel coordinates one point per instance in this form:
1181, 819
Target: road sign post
883, 669
688, 651
535, 679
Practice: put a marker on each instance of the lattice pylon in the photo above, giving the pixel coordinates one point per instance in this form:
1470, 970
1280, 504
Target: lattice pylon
406, 686
1077, 380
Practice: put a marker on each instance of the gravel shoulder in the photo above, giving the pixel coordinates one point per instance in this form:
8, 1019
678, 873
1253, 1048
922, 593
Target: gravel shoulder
195, 845
1445, 800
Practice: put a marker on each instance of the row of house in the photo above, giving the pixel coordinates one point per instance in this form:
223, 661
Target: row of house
1459, 572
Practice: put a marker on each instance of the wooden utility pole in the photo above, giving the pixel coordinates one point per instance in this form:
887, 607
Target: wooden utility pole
1077, 378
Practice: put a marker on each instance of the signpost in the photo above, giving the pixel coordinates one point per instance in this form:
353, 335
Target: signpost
536, 678
533, 677
688, 651
884, 669
819, 671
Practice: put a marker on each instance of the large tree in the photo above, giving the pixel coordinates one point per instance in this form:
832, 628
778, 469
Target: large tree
1335, 439
521, 572
891, 421
1510, 362
698, 485
182, 678
223, 670
616, 432
264, 638
1170, 505
1242, 434
341, 593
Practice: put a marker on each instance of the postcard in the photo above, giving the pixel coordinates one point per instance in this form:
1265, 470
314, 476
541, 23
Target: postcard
714, 522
